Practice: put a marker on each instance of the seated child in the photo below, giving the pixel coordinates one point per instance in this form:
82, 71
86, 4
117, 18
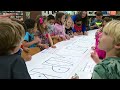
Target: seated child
29, 40
42, 33
50, 24
12, 66
59, 26
68, 26
110, 42
97, 22
78, 26
51, 28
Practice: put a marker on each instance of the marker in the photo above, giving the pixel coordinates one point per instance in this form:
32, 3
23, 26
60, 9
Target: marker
75, 76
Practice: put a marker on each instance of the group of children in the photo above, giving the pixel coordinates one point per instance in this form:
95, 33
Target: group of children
17, 37
42, 32
106, 52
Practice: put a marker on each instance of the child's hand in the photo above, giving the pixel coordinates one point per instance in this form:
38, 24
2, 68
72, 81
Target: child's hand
95, 25
98, 30
53, 46
64, 38
95, 57
85, 33
71, 36
80, 33
68, 37
75, 34
37, 39
57, 37
28, 58
45, 46
26, 49
93, 47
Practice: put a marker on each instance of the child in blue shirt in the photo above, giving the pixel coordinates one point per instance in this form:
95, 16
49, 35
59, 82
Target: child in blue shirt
29, 39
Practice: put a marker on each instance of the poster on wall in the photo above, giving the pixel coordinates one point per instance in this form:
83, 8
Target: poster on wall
27, 15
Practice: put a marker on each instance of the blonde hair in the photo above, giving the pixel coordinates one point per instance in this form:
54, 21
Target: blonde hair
11, 35
112, 29
68, 17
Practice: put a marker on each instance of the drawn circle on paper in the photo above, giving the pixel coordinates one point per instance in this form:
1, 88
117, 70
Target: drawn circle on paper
58, 69
54, 62
38, 75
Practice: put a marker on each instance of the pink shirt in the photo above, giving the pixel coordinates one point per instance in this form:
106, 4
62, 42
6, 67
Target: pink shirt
59, 30
101, 53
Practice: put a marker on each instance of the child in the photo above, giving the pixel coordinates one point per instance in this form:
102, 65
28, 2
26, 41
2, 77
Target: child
84, 19
68, 26
12, 66
25, 49
59, 26
29, 40
42, 32
101, 53
78, 26
110, 42
50, 24
50, 27
97, 22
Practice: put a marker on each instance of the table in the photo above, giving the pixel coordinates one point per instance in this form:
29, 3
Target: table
70, 57
32, 51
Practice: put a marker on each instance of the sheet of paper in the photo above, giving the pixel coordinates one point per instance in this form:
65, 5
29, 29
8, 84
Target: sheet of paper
54, 67
69, 57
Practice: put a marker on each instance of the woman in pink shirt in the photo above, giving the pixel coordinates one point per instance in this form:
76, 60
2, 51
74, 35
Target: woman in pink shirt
59, 26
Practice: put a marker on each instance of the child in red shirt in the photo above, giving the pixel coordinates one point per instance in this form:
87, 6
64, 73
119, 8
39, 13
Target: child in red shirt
78, 27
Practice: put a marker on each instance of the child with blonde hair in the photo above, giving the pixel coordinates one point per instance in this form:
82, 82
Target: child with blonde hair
69, 24
109, 42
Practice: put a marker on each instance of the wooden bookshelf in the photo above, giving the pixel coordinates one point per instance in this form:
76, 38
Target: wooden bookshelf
19, 14
31, 14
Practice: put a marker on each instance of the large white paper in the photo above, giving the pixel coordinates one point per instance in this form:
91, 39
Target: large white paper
62, 62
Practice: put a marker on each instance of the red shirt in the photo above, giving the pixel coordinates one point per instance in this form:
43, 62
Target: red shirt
78, 28
22, 46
